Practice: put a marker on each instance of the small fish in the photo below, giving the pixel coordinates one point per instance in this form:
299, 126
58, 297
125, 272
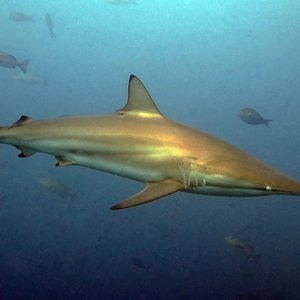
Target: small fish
245, 248
57, 188
139, 263
30, 78
251, 116
49, 24
19, 17
9, 61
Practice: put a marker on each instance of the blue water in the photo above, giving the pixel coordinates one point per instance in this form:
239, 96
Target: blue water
202, 61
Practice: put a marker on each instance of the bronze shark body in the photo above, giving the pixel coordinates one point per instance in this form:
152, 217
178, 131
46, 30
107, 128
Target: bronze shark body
138, 142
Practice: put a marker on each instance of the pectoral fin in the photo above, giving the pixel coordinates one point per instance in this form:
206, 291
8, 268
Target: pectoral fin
152, 191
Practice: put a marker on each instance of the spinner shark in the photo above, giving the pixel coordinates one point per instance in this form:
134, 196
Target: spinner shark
140, 143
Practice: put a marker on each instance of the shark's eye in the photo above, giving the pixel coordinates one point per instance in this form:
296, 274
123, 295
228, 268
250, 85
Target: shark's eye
268, 188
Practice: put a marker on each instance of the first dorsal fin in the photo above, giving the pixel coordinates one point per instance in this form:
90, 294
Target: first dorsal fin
139, 100
23, 119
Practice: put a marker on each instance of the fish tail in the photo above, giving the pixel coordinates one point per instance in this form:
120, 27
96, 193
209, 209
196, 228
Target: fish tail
23, 65
266, 122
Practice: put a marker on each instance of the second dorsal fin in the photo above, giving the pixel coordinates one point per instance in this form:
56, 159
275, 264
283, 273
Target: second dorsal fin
139, 100
23, 119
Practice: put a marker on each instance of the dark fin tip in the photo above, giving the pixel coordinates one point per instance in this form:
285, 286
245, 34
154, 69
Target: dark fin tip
23, 118
132, 77
115, 207
22, 155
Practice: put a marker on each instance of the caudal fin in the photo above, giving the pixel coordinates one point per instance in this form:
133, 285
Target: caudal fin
266, 122
23, 65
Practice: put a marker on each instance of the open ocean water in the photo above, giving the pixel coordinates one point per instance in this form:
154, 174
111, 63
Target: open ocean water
202, 62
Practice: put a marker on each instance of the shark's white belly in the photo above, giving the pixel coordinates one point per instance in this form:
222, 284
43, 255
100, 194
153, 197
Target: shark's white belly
126, 168
140, 164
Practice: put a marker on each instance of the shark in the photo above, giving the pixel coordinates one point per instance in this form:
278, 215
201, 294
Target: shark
140, 143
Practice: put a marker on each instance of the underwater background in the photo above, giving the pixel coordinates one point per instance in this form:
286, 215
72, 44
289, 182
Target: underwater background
202, 62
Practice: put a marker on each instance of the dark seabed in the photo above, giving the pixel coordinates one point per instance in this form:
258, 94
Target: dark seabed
202, 61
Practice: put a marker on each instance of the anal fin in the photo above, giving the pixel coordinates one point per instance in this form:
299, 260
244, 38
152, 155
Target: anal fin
61, 162
152, 191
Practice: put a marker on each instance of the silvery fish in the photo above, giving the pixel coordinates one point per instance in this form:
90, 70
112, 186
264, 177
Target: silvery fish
9, 61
